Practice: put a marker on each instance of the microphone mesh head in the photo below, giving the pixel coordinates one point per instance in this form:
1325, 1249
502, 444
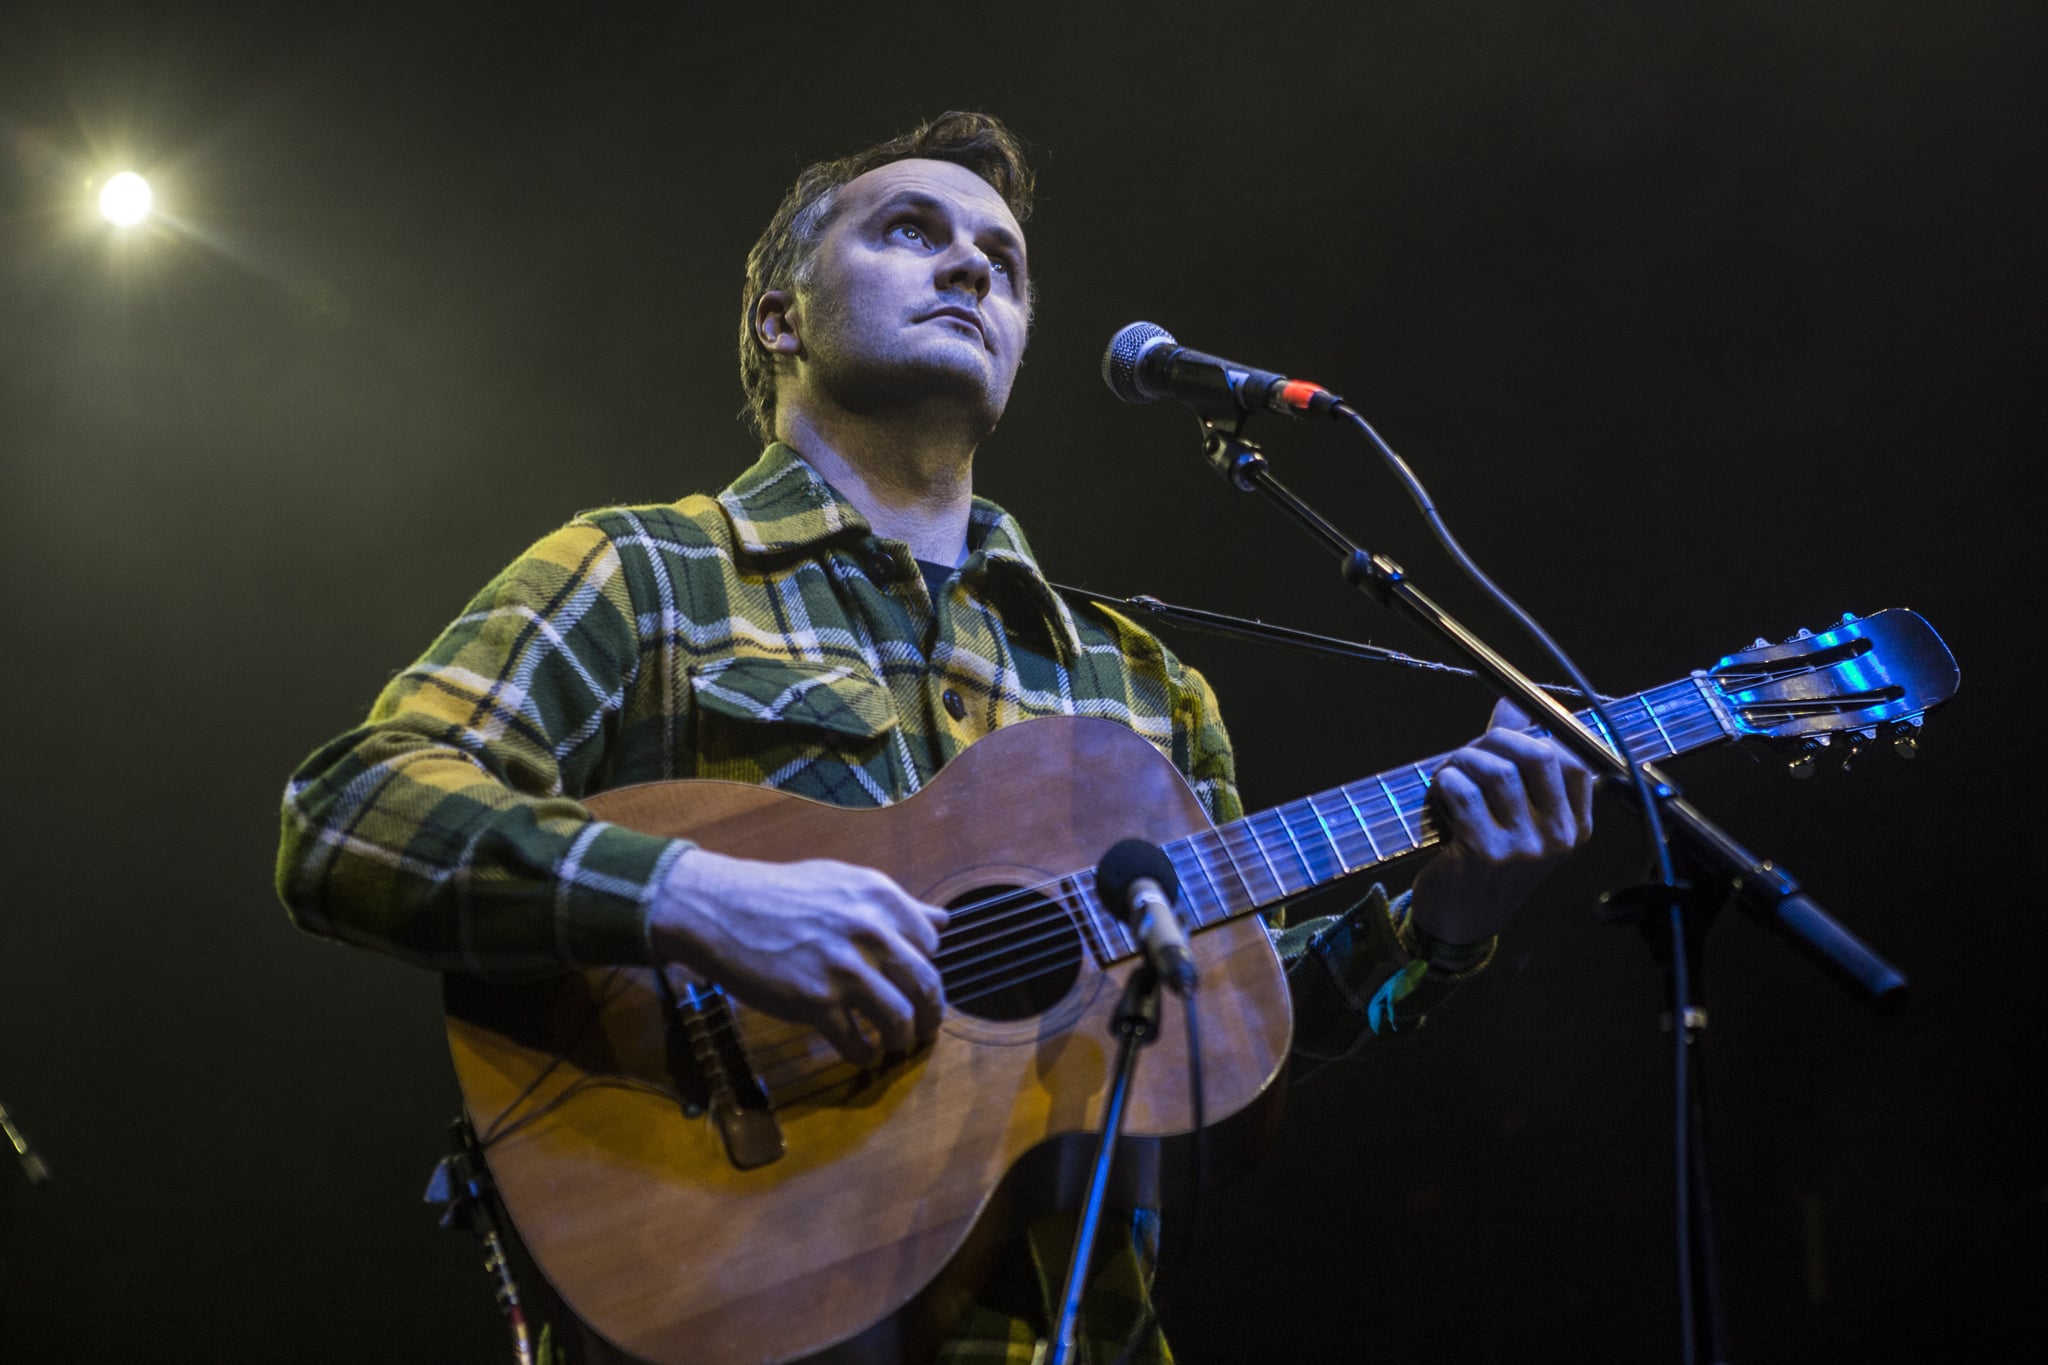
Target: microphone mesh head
1128, 860
1120, 361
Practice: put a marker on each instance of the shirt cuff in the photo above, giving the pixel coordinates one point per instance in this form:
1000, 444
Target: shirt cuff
605, 888
1450, 961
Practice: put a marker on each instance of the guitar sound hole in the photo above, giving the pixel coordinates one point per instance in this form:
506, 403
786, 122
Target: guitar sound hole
1007, 954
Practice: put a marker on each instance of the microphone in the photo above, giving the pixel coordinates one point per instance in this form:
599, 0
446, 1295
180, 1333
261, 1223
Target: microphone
1144, 364
1139, 886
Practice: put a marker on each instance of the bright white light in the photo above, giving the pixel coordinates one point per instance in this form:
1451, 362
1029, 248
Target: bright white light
126, 199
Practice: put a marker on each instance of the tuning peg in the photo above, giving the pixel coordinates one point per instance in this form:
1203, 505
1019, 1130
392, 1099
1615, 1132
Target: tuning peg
1850, 618
1807, 760
1859, 740
1801, 634
1759, 643
1906, 738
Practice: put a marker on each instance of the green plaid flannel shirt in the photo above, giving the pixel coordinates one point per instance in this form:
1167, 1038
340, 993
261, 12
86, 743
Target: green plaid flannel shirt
767, 636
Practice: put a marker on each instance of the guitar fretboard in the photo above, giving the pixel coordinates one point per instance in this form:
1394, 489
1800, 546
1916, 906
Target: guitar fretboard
1264, 858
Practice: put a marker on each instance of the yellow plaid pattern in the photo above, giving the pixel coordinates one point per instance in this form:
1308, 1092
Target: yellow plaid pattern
765, 636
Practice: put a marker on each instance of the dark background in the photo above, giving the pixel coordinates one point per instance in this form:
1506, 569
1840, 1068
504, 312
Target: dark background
1701, 324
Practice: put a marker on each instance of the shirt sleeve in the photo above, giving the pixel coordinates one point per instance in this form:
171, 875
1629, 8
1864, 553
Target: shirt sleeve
445, 829
1358, 977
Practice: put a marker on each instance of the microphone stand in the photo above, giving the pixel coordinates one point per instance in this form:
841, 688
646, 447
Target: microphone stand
1762, 889
1136, 1023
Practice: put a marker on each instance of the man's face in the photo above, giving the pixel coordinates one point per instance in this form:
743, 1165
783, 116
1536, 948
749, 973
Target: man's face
917, 292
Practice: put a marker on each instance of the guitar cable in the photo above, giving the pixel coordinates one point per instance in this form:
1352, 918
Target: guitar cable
498, 1129
461, 1191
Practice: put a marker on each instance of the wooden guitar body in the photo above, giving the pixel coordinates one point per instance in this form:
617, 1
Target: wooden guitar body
867, 1233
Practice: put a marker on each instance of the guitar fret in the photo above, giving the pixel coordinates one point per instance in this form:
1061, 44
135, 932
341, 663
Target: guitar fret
1364, 825
1259, 843
1591, 720
1320, 853
1336, 847
1664, 734
1191, 891
1697, 722
1694, 730
1633, 730
1396, 807
1112, 937
1227, 903
1251, 897
1308, 870
1717, 709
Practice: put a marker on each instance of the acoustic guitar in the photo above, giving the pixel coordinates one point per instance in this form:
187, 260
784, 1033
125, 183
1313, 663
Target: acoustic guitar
703, 1183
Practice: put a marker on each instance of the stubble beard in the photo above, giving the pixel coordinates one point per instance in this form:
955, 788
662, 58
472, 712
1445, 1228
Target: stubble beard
921, 392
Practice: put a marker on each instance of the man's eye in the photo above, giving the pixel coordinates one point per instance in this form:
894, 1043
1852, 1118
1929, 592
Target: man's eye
911, 231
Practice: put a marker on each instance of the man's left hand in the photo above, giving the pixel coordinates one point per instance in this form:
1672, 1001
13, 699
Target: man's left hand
1517, 804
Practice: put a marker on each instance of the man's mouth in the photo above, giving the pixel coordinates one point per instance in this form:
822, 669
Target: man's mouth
966, 315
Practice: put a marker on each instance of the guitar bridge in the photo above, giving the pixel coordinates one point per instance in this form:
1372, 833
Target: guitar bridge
711, 1072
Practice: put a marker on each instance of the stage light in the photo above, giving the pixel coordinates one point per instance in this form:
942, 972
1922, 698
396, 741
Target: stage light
126, 199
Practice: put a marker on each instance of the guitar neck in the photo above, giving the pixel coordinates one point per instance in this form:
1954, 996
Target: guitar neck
1258, 861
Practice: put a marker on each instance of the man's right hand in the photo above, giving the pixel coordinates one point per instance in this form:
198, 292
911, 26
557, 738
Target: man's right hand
840, 948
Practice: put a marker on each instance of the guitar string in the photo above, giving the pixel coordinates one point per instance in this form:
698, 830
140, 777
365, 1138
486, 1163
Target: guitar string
1034, 905
1061, 945
1253, 830
783, 1075
1007, 968
783, 1064
1260, 829
814, 1060
835, 1072
996, 915
1699, 720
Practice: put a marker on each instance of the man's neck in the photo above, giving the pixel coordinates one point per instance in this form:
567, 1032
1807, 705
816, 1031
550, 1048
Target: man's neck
910, 484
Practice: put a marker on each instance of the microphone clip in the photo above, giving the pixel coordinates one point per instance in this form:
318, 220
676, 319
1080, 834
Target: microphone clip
1238, 461
1137, 1013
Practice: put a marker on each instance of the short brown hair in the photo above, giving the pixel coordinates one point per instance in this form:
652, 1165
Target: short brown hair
786, 248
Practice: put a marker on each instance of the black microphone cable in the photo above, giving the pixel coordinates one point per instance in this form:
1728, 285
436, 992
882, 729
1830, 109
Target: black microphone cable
1660, 848
1144, 363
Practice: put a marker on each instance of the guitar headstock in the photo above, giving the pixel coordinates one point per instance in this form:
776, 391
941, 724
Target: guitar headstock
1861, 680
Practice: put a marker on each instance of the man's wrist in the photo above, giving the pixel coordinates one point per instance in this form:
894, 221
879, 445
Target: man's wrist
1454, 960
664, 891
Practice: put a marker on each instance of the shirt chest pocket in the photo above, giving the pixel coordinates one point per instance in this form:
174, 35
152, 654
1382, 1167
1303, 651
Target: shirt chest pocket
792, 723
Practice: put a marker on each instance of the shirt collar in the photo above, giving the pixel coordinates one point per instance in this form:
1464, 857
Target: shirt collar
783, 505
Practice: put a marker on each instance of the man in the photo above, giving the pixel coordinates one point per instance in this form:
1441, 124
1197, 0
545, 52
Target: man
840, 622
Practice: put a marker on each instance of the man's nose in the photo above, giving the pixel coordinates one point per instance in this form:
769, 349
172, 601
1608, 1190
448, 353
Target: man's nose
966, 267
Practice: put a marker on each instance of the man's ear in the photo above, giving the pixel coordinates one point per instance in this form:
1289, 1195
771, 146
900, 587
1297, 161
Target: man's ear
775, 322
